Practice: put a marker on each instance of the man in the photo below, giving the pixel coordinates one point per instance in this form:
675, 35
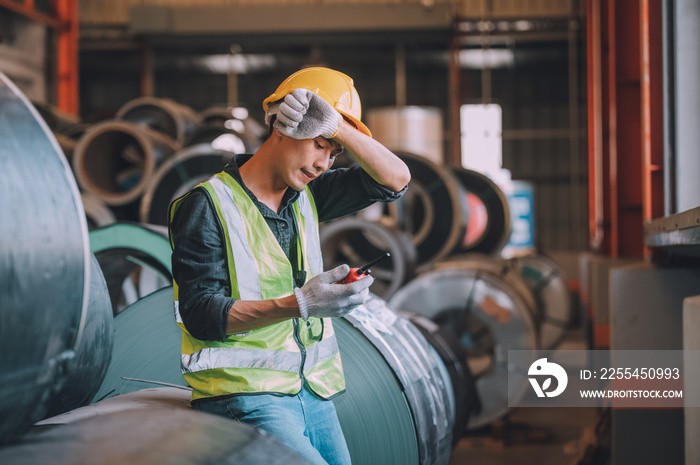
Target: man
251, 295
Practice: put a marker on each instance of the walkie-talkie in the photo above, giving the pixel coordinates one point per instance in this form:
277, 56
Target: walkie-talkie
358, 273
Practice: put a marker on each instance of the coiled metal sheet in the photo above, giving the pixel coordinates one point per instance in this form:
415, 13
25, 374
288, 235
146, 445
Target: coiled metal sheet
356, 242
44, 264
165, 116
146, 346
237, 119
489, 215
394, 411
411, 359
454, 357
488, 318
163, 436
87, 369
502, 270
135, 261
433, 209
549, 284
177, 176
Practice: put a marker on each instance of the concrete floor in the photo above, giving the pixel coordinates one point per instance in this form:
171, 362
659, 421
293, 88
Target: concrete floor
541, 436
529, 436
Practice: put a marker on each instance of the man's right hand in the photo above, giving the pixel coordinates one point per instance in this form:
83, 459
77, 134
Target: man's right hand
304, 115
322, 297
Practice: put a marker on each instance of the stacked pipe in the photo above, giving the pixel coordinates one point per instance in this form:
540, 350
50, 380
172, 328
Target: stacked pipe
121, 163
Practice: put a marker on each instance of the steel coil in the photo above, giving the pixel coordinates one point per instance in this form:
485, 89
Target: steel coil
165, 116
356, 242
423, 419
433, 209
143, 399
489, 215
454, 357
89, 366
395, 409
135, 261
549, 285
502, 270
114, 160
44, 264
146, 347
147, 436
177, 176
489, 319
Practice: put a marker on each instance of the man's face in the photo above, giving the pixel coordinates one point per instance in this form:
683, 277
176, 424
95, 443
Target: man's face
301, 161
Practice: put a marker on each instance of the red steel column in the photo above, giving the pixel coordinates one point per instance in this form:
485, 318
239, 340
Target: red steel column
67, 61
625, 123
652, 110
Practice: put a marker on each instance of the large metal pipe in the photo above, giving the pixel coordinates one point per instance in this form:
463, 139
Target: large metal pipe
44, 264
165, 116
114, 160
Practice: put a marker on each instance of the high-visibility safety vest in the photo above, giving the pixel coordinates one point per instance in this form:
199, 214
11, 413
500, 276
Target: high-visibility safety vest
280, 357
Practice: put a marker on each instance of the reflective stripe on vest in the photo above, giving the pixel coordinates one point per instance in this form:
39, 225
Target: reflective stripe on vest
313, 241
228, 357
248, 284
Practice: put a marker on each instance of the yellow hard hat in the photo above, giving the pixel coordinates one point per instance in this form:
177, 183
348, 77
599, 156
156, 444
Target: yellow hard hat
332, 86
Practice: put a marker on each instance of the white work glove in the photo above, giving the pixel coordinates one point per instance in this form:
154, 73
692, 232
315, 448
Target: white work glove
304, 115
321, 297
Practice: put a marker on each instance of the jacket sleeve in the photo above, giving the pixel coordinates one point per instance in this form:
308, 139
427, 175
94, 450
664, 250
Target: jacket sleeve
345, 191
200, 268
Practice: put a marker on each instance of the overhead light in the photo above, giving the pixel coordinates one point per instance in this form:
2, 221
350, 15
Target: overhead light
486, 58
240, 63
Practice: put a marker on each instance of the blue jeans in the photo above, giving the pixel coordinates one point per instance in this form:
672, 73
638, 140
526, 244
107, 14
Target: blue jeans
303, 422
